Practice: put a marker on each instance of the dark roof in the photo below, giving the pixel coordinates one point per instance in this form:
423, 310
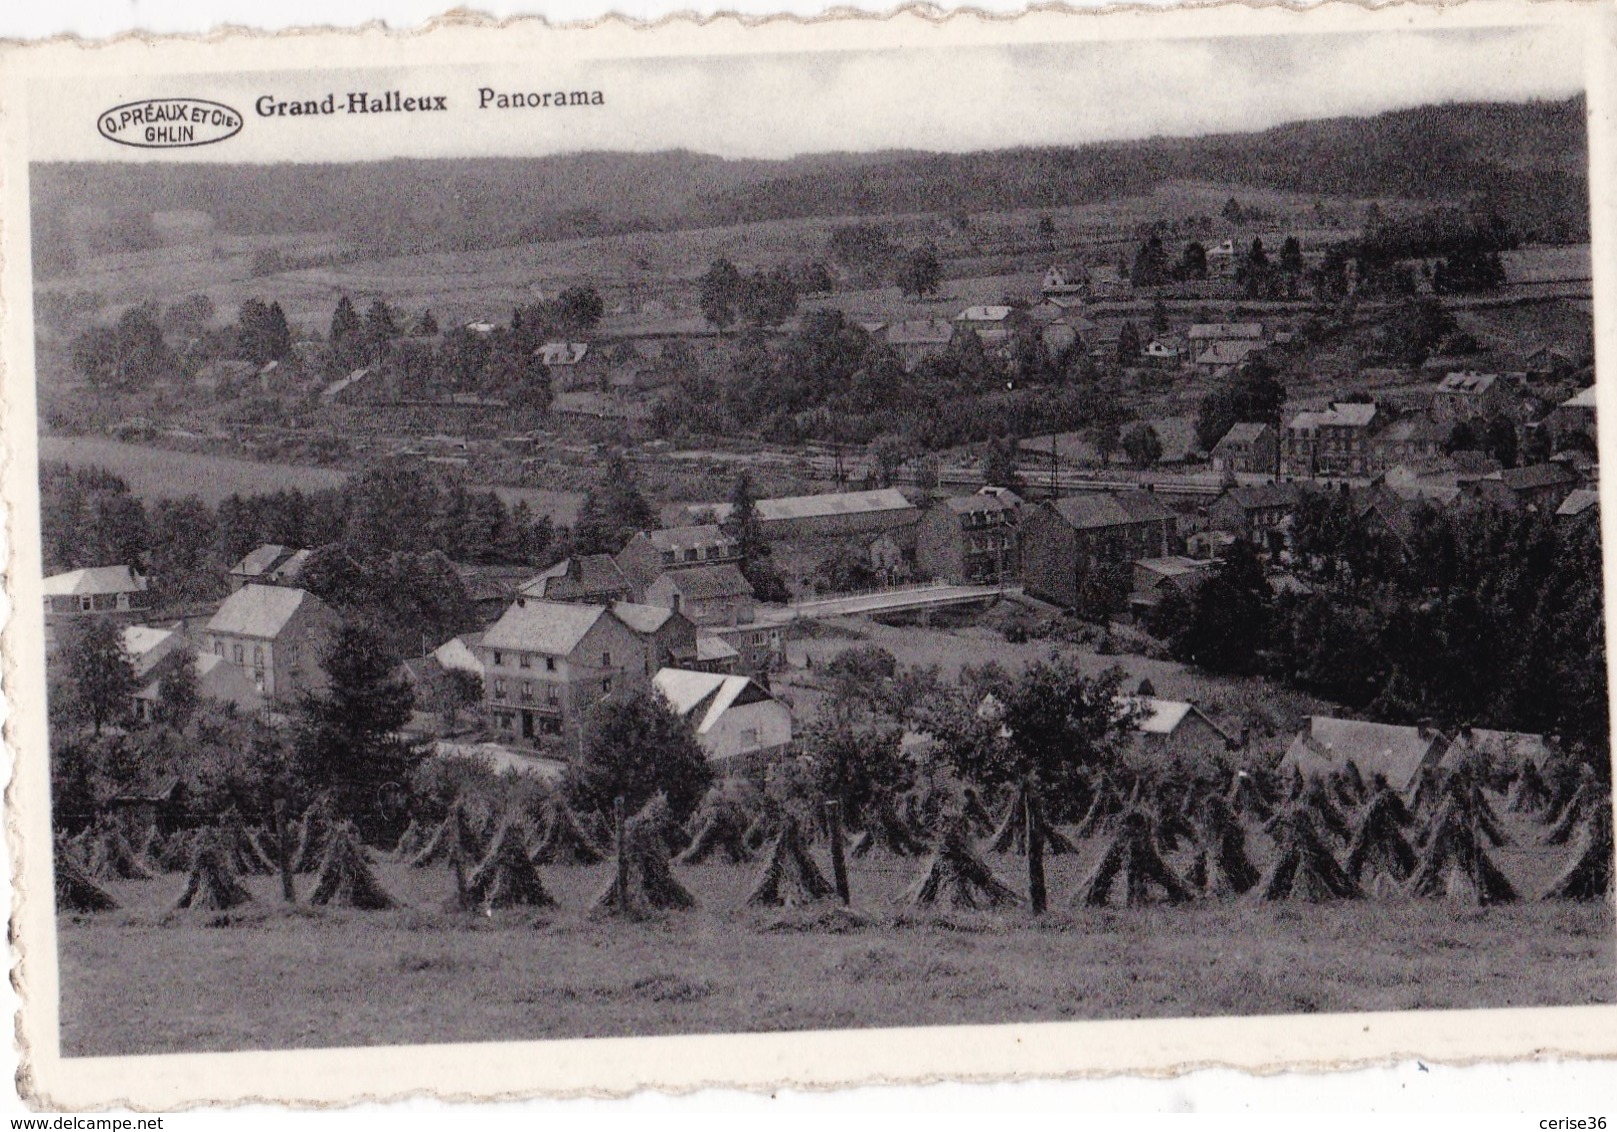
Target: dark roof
579, 576
962, 504
1110, 509
1242, 432
1537, 475
1252, 497
699, 582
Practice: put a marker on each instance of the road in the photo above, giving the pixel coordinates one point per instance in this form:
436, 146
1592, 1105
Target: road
883, 601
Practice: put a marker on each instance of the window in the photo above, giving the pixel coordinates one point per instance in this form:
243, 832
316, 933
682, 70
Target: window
606, 685
523, 660
499, 689
236, 653
669, 557
218, 648
527, 691
499, 658
550, 664
606, 660
690, 555
258, 655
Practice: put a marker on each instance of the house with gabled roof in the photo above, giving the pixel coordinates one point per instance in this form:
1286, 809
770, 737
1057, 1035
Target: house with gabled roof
276, 636
1399, 753
708, 595
1065, 280
732, 716
650, 554
269, 565
970, 540
113, 592
1175, 731
1335, 441
547, 663
595, 578
1249, 447
1064, 541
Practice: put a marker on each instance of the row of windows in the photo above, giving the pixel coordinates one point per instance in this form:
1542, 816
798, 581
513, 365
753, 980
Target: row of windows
238, 653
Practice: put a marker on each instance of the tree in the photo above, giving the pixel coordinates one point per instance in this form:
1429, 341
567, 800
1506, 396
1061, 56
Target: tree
845, 570
1150, 264
579, 310
262, 334
1142, 445
1499, 438
179, 695
920, 274
183, 537
1047, 229
1193, 264
190, 316
722, 288
1128, 345
613, 510
635, 747
888, 453
99, 672
426, 326
346, 737
380, 330
768, 298
1233, 212
999, 464
130, 354
347, 339
1228, 618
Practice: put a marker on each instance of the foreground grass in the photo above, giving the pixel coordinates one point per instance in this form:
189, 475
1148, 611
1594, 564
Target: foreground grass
268, 976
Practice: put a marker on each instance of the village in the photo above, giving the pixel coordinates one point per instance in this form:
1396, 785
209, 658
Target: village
1202, 554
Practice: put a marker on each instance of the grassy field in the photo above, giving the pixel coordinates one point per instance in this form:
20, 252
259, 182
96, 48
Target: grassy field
159, 473
138, 981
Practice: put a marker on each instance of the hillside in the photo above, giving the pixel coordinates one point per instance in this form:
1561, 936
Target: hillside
1526, 161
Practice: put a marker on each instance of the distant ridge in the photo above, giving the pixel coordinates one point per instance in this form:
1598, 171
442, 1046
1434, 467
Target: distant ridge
1526, 159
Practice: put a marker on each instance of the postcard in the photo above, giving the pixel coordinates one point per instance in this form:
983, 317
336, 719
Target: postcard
564, 560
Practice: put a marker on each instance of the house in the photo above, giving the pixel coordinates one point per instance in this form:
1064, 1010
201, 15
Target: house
1249, 447
708, 595
490, 588
732, 716
275, 636
218, 680
715, 654
1411, 440
460, 653
114, 592
1582, 503
668, 636
1467, 396
1209, 544
1065, 540
547, 663
1258, 513
759, 646
1326, 745
1385, 514
1060, 280
915, 340
269, 565
594, 578
571, 365
1107, 282
1331, 442
969, 540
1413, 486
1163, 352
1537, 487
1505, 749
1222, 356
1221, 260
347, 388
1574, 415
1153, 577
992, 323
1204, 335
650, 554
150, 647
1176, 731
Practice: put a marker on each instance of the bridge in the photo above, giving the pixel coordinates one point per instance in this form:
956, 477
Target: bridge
925, 595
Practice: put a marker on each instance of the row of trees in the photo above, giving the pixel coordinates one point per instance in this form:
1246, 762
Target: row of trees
1480, 615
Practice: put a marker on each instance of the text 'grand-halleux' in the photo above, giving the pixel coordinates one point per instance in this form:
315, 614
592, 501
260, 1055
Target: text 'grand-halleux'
396, 102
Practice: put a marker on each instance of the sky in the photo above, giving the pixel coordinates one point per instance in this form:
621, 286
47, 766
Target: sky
940, 98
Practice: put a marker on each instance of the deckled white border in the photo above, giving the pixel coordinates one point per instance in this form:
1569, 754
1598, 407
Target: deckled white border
616, 1066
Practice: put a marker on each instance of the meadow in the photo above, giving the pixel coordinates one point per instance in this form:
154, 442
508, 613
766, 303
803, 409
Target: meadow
268, 976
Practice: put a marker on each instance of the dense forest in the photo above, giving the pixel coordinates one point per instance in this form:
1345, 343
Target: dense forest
1525, 161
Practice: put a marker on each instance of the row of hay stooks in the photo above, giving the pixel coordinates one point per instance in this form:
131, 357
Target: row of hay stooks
1331, 837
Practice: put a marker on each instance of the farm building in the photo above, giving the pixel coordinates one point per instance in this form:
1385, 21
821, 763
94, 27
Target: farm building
1205, 334
1539, 487
116, 592
269, 565
1326, 744
1060, 280
969, 540
918, 339
274, 636
149, 646
1574, 415
832, 515
1176, 731
1220, 357
990, 323
1581, 503
1154, 577
572, 365
1065, 541
460, 653
1506, 749
1249, 447
732, 715
348, 388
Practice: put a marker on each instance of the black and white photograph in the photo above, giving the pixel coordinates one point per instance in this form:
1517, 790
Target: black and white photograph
735, 544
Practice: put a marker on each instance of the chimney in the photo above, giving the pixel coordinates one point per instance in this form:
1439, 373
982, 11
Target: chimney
1424, 727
